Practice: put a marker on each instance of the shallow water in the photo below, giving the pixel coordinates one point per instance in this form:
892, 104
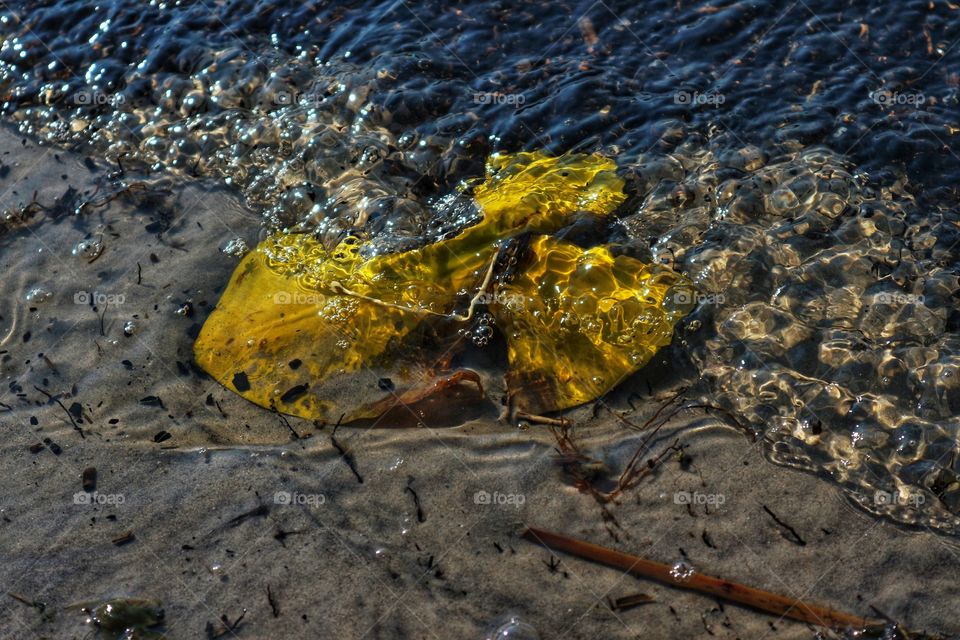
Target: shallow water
795, 162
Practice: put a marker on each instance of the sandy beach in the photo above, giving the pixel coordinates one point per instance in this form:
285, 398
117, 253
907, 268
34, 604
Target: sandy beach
219, 509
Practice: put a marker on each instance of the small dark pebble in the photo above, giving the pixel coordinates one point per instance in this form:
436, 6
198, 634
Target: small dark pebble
162, 436
34, 421
76, 410
113, 420
124, 538
36, 448
154, 259
88, 478
386, 384
53, 446
151, 401
628, 602
293, 393
127, 364
240, 382
295, 363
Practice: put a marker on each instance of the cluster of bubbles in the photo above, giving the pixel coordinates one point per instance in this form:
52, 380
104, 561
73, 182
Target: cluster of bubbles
835, 332
483, 330
682, 571
88, 249
298, 137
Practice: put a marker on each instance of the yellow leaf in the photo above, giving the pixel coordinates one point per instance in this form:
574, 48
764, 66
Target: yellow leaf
313, 333
283, 342
580, 321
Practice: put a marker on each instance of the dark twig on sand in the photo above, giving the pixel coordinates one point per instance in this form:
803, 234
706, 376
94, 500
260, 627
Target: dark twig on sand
628, 602
724, 589
286, 423
228, 627
76, 427
346, 455
274, 607
416, 500
40, 606
641, 464
258, 512
796, 539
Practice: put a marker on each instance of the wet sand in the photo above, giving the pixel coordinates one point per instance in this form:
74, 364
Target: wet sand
387, 541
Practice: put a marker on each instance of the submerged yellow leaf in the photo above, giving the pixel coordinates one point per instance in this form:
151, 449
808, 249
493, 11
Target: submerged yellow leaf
580, 321
533, 191
285, 346
310, 332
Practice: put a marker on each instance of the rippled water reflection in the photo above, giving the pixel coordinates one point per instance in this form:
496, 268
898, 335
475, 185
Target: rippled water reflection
795, 162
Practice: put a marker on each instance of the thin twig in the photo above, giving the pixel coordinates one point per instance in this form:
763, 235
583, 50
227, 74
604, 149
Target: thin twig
638, 467
76, 427
718, 587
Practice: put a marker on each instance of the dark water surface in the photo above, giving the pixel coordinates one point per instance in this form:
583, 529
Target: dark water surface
796, 160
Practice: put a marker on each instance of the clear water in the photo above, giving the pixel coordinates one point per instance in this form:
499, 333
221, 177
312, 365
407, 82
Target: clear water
795, 162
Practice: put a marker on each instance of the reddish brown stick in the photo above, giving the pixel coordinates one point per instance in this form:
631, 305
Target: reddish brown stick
718, 587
